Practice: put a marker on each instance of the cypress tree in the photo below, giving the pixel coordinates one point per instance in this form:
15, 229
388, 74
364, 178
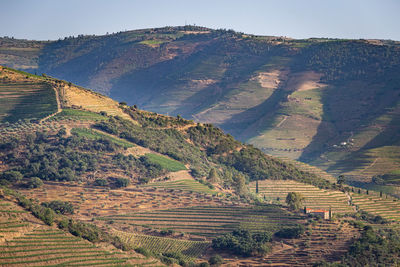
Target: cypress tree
257, 187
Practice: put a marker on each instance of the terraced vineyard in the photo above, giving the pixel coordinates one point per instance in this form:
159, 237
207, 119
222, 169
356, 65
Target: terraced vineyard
184, 184
26, 100
73, 96
326, 240
211, 221
48, 247
80, 115
156, 244
12, 222
276, 192
93, 201
312, 169
26, 241
388, 208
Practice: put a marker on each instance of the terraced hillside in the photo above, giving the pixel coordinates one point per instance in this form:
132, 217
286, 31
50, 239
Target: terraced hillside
315, 198
190, 249
166, 186
24, 99
324, 241
91, 201
182, 184
49, 247
385, 206
328, 102
211, 221
26, 241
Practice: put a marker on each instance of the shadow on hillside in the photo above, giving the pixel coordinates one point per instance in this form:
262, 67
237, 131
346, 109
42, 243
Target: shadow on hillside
249, 123
346, 112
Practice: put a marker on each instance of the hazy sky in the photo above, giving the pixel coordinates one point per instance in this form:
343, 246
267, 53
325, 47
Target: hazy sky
52, 19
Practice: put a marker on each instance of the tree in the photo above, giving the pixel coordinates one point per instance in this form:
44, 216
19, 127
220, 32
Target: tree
294, 200
213, 176
378, 179
62, 207
244, 243
35, 182
292, 232
240, 182
11, 176
48, 216
61, 132
257, 188
341, 179
121, 182
216, 260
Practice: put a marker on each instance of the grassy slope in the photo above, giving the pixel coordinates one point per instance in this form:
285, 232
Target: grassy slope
167, 163
91, 134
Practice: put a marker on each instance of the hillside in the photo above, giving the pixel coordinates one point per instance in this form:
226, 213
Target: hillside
131, 181
328, 102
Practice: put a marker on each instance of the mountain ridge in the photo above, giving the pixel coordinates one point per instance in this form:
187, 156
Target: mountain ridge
288, 97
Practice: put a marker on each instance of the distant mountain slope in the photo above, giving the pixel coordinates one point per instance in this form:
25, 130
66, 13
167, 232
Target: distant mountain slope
92, 116
331, 103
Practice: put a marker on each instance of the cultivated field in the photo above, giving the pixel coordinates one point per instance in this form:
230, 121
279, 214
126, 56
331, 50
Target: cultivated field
324, 240
211, 221
275, 191
91, 201
26, 100
386, 206
182, 184
189, 249
26, 241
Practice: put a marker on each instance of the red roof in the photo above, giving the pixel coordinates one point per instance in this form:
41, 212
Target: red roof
319, 211
311, 210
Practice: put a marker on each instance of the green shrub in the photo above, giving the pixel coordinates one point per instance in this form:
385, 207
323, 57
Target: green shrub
121, 182
292, 232
243, 242
34, 182
145, 252
216, 260
100, 182
11, 176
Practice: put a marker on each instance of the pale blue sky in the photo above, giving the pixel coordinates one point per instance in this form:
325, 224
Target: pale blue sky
52, 19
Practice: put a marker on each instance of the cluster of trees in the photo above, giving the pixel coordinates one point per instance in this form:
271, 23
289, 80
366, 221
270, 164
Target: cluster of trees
375, 248
59, 158
291, 232
250, 161
150, 119
169, 142
240, 163
344, 60
387, 178
142, 166
61, 207
53, 158
244, 243
47, 215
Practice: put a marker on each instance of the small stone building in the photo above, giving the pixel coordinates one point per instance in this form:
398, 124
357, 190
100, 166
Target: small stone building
325, 214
